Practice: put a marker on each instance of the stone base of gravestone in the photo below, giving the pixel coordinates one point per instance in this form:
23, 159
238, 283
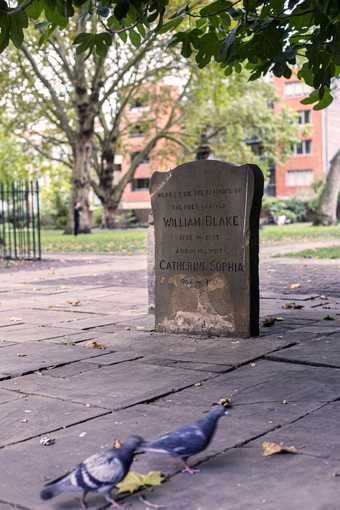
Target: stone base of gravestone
151, 265
206, 220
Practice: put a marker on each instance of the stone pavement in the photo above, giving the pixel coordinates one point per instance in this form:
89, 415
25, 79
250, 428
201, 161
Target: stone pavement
55, 381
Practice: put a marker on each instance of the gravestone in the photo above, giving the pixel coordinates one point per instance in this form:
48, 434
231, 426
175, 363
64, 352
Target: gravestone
206, 221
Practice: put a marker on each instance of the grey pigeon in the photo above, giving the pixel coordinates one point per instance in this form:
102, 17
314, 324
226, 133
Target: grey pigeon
99, 473
188, 440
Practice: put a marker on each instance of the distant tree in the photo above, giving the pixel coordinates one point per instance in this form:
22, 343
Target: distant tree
70, 107
237, 119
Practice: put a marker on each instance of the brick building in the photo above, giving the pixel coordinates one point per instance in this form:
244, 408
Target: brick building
136, 195
319, 141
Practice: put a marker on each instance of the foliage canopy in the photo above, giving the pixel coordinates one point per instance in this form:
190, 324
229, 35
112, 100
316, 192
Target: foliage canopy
263, 35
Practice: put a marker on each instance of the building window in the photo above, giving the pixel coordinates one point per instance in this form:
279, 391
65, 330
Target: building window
303, 147
304, 117
140, 184
136, 131
144, 161
299, 178
296, 88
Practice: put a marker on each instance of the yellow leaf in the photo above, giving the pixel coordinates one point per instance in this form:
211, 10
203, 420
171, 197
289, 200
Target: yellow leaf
294, 285
226, 401
271, 448
135, 481
93, 344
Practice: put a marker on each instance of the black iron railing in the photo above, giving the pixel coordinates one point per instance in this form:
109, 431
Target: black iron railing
20, 221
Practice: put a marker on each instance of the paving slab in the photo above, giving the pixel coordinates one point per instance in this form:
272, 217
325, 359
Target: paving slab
242, 479
32, 416
317, 434
112, 387
322, 352
42, 317
265, 382
76, 443
21, 359
219, 351
25, 334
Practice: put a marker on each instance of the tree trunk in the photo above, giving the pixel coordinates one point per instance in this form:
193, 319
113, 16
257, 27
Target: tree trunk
81, 186
327, 210
109, 216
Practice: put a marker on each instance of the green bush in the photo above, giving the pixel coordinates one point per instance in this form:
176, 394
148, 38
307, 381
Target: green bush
294, 209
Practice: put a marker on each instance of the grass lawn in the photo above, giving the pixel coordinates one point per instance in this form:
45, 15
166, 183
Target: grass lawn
119, 241
329, 252
299, 232
134, 240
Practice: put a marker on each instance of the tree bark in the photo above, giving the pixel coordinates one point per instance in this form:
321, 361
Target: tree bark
327, 210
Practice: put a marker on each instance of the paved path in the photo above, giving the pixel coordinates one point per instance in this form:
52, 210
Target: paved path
285, 385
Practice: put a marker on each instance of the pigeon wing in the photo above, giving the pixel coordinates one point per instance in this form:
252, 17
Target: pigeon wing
106, 468
184, 442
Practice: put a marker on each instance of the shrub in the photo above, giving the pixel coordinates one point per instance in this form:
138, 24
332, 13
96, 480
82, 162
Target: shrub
294, 209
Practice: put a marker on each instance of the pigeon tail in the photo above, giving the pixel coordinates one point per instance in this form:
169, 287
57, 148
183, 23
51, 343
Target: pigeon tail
55, 487
51, 492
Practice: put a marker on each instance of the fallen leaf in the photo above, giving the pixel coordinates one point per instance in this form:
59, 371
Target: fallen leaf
270, 321
329, 318
295, 285
225, 401
292, 306
271, 448
93, 344
135, 481
73, 302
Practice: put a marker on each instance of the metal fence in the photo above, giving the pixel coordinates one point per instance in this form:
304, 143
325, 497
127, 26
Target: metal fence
20, 221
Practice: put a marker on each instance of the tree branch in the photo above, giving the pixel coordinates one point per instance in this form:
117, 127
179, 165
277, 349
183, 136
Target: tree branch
64, 123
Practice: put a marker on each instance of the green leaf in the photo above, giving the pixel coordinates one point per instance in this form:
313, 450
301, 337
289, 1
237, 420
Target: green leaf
135, 38
215, 7
35, 9
171, 25
314, 96
325, 101
123, 36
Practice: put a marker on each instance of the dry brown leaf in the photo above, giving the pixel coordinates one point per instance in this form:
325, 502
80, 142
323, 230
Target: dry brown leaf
271, 448
73, 302
292, 306
295, 285
93, 344
225, 401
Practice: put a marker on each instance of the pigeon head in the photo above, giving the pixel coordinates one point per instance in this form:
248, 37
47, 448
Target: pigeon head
218, 410
132, 443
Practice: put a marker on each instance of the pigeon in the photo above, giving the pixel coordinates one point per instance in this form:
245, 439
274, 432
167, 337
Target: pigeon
189, 439
98, 473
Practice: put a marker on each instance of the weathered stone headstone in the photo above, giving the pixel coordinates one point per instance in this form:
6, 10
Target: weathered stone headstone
206, 220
